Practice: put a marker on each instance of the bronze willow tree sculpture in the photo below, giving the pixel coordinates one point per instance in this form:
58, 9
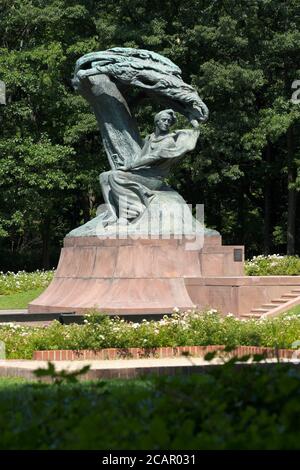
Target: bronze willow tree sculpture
135, 183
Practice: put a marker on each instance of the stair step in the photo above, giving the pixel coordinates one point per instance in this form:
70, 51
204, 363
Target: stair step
268, 306
274, 303
258, 310
251, 315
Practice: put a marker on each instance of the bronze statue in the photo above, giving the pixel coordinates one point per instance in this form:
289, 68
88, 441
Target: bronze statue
138, 169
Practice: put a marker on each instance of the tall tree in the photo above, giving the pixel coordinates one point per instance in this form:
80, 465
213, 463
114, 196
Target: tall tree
241, 55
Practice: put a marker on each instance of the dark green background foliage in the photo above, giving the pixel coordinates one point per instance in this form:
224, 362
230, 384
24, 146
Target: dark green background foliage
242, 55
252, 408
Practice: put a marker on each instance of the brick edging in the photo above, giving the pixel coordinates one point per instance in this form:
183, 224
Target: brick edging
137, 353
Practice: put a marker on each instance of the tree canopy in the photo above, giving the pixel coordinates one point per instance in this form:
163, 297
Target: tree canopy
241, 55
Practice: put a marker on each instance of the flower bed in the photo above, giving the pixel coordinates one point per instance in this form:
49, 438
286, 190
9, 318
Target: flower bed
22, 281
273, 265
188, 329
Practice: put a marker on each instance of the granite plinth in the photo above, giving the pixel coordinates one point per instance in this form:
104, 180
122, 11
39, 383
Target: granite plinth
116, 276
239, 294
153, 276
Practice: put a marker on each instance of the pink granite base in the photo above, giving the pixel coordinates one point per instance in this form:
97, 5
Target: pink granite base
240, 294
148, 276
129, 276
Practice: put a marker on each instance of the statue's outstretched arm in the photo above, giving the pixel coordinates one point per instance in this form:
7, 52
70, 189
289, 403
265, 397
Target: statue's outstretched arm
186, 141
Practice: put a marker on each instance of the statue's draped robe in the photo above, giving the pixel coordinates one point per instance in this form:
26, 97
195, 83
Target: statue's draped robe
130, 192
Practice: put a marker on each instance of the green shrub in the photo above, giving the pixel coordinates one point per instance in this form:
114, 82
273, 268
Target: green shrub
226, 408
187, 329
273, 265
22, 281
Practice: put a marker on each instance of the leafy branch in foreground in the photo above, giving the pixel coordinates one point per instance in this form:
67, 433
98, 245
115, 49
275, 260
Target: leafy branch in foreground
62, 376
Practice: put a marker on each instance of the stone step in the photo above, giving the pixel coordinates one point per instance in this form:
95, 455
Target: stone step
251, 315
268, 306
290, 296
258, 310
274, 303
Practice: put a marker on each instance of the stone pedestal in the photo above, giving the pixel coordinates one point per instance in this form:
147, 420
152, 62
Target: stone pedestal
117, 276
239, 295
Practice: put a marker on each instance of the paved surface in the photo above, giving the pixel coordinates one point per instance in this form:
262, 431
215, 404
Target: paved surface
11, 311
108, 364
18, 316
122, 368
125, 363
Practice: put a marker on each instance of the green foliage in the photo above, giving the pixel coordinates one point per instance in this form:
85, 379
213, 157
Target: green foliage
22, 282
294, 310
273, 265
62, 376
230, 407
241, 56
48, 142
189, 329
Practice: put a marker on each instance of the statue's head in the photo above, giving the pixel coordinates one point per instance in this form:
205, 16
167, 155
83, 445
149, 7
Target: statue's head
164, 119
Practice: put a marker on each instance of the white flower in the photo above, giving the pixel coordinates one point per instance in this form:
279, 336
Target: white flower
212, 311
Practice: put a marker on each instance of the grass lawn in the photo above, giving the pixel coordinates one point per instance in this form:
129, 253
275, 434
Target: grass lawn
294, 311
8, 382
20, 299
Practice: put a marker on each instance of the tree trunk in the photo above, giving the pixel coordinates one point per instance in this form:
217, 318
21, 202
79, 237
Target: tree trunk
241, 210
292, 195
46, 245
85, 207
267, 202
